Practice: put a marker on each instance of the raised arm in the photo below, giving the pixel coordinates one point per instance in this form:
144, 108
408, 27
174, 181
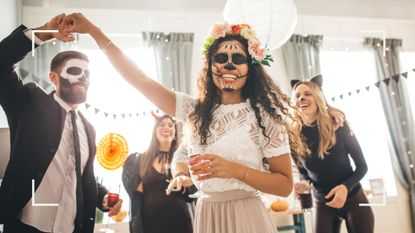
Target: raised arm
155, 92
13, 49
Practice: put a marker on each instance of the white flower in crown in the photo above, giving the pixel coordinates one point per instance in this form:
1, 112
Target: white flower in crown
221, 29
247, 33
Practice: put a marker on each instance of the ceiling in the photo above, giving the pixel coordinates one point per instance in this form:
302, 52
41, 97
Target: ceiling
349, 8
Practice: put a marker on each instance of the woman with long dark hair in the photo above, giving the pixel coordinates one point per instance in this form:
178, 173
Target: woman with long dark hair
240, 118
146, 177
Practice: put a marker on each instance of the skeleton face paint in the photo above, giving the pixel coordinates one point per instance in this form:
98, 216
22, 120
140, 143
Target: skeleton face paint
74, 81
75, 70
230, 66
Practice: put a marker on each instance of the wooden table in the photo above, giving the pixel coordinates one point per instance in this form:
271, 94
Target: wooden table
298, 220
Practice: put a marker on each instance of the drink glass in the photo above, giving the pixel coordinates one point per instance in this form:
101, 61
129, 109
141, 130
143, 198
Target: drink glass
306, 198
112, 198
193, 151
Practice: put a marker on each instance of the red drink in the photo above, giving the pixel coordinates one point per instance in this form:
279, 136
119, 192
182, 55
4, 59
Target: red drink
112, 199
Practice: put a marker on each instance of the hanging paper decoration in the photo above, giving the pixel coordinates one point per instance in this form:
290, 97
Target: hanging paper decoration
112, 151
272, 20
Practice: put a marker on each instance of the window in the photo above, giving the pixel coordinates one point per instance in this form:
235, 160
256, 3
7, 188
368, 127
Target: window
110, 93
408, 64
347, 72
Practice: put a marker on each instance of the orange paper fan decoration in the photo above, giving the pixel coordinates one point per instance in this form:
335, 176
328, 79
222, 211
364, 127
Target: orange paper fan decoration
112, 151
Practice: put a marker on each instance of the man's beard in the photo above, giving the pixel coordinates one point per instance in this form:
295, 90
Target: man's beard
69, 95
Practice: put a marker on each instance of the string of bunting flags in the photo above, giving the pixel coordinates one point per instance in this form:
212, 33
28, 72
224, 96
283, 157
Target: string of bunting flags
377, 84
123, 115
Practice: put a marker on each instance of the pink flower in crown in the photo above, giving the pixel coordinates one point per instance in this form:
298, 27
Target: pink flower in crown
256, 50
218, 29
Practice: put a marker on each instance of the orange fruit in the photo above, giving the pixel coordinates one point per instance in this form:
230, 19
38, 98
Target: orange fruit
279, 205
120, 216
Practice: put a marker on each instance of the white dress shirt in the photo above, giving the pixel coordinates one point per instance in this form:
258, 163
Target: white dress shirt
59, 182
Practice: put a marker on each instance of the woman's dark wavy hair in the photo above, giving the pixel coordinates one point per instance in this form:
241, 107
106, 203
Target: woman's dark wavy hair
259, 88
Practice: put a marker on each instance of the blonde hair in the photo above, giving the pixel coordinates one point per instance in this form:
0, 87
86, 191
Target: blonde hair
325, 123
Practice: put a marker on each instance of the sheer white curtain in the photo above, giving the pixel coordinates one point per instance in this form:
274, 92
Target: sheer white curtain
346, 72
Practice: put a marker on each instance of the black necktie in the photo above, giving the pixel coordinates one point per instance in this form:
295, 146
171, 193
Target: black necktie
79, 195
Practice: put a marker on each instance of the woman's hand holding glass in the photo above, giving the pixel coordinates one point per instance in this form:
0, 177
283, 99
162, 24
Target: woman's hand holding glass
206, 166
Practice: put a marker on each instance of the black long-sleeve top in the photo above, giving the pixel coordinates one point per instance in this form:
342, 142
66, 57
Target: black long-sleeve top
335, 168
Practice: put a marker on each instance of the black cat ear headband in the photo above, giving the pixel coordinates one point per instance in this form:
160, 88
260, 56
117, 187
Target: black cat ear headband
318, 79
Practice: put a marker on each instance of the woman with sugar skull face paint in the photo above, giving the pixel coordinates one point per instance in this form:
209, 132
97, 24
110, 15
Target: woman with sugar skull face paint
238, 119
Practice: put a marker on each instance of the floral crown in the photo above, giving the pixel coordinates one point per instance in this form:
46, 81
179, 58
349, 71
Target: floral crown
221, 29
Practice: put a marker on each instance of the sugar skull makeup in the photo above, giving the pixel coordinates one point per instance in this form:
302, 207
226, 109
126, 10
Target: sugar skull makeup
75, 70
74, 81
230, 66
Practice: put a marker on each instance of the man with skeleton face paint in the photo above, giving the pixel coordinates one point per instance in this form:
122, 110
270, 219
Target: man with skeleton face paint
74, 81
52, 143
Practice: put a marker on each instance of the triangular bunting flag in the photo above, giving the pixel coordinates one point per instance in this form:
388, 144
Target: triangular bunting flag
405, 74
367, 88
341, 96
36, 79
377, 84
123, 115
358, 91
87, 106
413, 70
23, 73
130, 115
333, 99
114, 115
396, 77
96, 110
137, 114
350, 93
44, 84
386, 81
144, 113
106, 114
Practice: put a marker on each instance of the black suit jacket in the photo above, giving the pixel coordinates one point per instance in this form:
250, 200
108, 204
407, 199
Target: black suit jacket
36, 123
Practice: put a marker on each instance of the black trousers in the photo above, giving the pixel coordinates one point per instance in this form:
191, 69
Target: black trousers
16, 226
359, 219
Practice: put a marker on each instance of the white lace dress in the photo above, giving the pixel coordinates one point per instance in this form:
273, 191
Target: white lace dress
236, 136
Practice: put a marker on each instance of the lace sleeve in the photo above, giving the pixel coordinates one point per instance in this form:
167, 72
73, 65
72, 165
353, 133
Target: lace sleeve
184, 106
278, 141
180, 155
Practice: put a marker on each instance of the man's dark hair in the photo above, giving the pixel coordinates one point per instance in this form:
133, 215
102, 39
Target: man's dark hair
62, 57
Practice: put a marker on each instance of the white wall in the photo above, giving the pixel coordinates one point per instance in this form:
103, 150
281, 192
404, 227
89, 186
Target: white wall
8, 16
9, 20
338, 31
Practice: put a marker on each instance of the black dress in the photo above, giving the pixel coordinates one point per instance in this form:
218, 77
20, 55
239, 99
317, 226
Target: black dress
162, 213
